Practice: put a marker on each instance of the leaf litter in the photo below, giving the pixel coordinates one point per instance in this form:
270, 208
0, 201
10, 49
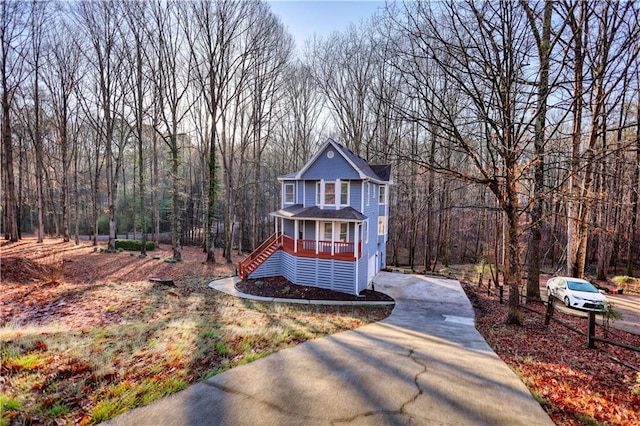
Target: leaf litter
85, 336
576, 385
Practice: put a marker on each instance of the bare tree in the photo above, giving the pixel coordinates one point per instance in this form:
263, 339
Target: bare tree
172, 76
12, 30
223, 47
100, 23
343, 67
61, 79
272, 49
137, 29
634, 221
478, 52
37, 19
604, 43
298, 121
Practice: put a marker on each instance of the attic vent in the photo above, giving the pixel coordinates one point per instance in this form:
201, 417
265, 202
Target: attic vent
330, 154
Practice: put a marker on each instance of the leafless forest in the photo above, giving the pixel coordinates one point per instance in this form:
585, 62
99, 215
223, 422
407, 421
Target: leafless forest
513, 127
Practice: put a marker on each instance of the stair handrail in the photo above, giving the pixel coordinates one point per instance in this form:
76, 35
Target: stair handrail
276, 237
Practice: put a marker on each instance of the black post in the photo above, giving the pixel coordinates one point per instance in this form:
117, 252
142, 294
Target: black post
551, 306
591, 343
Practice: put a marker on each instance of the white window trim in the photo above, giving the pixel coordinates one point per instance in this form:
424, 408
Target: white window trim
382, 219
368, 193
324, 194
339, 183
339, 229
382, 195
366, 230
319, 198
324, 230
293, 201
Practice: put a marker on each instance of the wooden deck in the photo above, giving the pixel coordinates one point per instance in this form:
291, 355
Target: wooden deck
321, 249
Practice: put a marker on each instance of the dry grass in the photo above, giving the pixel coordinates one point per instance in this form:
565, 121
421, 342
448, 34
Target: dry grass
84, 350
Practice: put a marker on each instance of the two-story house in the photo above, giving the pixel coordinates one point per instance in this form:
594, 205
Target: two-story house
331, 229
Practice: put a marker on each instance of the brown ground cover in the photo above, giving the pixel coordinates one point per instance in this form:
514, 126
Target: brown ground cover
576, 385
281, 287
85, 336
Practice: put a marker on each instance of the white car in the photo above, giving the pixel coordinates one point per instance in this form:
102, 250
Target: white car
576, 293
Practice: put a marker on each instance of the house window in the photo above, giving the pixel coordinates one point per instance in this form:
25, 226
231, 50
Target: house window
365, 231
330, 193
368, 193
328, 231
289, 193
344, 193
380, 225
382, 194
344, 228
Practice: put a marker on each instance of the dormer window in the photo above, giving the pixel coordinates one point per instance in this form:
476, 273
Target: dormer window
289, 193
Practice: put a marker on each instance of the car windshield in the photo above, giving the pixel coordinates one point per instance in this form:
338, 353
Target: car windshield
580, 286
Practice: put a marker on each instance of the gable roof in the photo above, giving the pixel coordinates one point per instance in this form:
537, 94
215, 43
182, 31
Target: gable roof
383, 171
378, 173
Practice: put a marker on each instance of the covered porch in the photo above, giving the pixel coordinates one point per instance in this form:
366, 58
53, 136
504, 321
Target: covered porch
321, 233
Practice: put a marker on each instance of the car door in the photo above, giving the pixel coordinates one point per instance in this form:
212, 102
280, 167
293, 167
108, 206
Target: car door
561, 288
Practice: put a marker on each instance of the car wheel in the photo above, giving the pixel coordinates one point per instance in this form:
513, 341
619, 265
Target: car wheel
566, 302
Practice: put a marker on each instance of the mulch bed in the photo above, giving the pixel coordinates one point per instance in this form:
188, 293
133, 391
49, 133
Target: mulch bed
283, 288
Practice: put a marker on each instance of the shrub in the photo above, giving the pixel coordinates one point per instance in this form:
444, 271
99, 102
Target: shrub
134, 245
635, 389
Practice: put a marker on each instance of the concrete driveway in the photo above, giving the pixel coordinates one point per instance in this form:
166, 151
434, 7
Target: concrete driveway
425, 364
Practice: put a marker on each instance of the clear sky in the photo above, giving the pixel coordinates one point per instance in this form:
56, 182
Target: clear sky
303, 18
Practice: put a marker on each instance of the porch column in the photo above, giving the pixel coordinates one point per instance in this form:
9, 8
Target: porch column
295, 236
275, 222
333, 238
356, 234
317, 236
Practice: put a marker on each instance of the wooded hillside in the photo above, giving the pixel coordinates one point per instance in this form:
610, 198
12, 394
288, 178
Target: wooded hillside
513, 127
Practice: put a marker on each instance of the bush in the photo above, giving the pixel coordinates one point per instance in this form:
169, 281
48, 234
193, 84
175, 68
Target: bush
134, 245
625, 282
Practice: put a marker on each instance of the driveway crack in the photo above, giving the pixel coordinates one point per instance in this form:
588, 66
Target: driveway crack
415, 380
401, 411
267, 403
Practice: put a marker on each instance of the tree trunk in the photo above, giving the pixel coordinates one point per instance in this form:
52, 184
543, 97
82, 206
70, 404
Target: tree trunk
10, 222
633, 220
573, 203
66, 217
176, 230
537, 210
212, 195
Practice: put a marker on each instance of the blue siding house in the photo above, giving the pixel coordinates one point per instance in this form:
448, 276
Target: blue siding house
331, 229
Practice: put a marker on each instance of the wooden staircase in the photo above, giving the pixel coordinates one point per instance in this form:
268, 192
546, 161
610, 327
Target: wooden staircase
259, 255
